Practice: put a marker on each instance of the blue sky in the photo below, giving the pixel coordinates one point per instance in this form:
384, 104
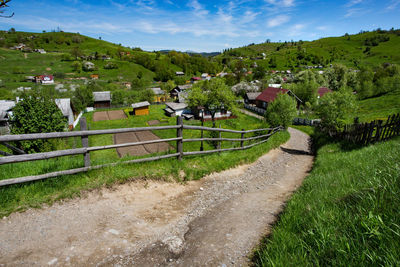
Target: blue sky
200, 25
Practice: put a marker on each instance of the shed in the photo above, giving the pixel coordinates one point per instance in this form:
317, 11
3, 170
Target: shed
141, 108
176, 109
159, 95
102, 99
64, 104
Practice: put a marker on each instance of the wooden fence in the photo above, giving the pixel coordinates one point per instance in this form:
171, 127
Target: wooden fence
85, 150
366, 133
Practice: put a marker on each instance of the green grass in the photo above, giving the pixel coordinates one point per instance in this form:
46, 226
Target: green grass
345, 213
21, 197
379, 108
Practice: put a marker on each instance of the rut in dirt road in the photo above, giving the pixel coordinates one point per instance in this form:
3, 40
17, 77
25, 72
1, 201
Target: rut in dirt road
217, 220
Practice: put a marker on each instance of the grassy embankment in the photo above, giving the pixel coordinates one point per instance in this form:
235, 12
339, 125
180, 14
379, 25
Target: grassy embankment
20, 197
346, 212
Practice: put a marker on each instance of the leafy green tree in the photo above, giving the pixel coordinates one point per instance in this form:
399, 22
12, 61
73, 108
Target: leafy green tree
76, 52
211, 95
82, 98
335, 108
281, 111
77, 66
306, 90
36, 113
337, 77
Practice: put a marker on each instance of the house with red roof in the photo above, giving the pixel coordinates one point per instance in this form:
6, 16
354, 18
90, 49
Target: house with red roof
44, 79
322, 91
270, 94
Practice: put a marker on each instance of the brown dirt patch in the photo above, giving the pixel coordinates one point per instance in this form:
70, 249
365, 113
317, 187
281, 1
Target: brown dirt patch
100, 116
153, 122
116, 114
109, 115
141, 150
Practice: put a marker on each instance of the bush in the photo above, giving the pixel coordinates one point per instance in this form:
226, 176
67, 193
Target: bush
60, 75
281, 111
36, 114
110, 65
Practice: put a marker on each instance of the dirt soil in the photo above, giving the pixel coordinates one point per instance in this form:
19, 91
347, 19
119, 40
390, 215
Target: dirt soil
109, 115
141, 150
216, 221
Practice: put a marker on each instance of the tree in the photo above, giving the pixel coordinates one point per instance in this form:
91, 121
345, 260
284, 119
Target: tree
281, 111
3, 6
337, 77
82, 98
333, 109
36, 113
211, 95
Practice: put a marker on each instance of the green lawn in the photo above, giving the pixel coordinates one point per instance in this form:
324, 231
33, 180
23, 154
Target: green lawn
379, 108
21, 197
345, 213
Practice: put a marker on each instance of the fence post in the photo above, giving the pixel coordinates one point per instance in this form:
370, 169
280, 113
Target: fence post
219, 136
179, 134
85, 141
241, 137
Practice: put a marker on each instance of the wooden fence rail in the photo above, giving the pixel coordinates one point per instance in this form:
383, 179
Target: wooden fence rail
85, 150
366, 133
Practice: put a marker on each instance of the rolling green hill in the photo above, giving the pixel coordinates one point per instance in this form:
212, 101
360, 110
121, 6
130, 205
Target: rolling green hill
363, 49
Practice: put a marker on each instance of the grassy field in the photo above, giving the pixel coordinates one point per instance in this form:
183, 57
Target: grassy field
20, 197
379, 108
345, 214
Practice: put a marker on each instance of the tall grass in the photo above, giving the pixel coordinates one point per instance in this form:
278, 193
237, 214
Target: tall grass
345, 214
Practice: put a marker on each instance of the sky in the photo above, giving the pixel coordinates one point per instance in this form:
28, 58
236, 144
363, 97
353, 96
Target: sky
200, 25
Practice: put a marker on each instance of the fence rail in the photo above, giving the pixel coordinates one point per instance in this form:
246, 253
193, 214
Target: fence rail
85, 150
366, 133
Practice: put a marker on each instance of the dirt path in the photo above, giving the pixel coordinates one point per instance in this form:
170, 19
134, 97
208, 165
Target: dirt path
216, 221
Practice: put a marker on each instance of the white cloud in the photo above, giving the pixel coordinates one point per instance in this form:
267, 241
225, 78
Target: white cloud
198, 9
281, 19
393, 4
284, 3
353, 3
322, 28
295, 30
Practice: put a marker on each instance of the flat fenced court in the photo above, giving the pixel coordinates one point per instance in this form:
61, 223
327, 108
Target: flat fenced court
140, 150
109, 115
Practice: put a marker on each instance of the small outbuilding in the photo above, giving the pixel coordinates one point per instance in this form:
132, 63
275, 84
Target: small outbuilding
176, 109
250, 98
159, 95
64, 104
141, 108
102, 99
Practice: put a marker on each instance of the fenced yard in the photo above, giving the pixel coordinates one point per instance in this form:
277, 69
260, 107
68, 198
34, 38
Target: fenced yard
176, 135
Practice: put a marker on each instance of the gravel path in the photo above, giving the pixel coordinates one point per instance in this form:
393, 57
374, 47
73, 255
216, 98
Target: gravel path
215, 221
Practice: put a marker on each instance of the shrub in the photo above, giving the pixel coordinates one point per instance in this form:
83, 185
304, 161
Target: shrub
110, 65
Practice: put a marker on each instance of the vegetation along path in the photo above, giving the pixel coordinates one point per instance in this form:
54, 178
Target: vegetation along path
215, 221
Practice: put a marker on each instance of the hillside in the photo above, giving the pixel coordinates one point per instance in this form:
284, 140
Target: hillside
66, 54
365, 48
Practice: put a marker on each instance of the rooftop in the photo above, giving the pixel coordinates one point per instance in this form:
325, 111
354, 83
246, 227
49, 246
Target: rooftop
141, 104
176, 106
102, 96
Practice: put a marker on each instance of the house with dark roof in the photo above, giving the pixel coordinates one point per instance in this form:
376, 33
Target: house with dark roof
322, 91
102, 99
178, 89
270, 94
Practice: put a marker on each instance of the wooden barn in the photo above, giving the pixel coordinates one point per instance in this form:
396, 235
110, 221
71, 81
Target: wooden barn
141, 108
102, 99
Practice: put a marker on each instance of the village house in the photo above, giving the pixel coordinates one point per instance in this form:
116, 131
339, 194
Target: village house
94, 76
176, 109
159, 95
250, 98
205, 76
270, 94
195, 79
220, 114
88, 66
64, 104
40, 50
102, 99
178, 89
141, 108
179, 73
44, 79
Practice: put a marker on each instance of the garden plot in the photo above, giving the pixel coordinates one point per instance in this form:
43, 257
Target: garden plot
109, 115
140, 150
